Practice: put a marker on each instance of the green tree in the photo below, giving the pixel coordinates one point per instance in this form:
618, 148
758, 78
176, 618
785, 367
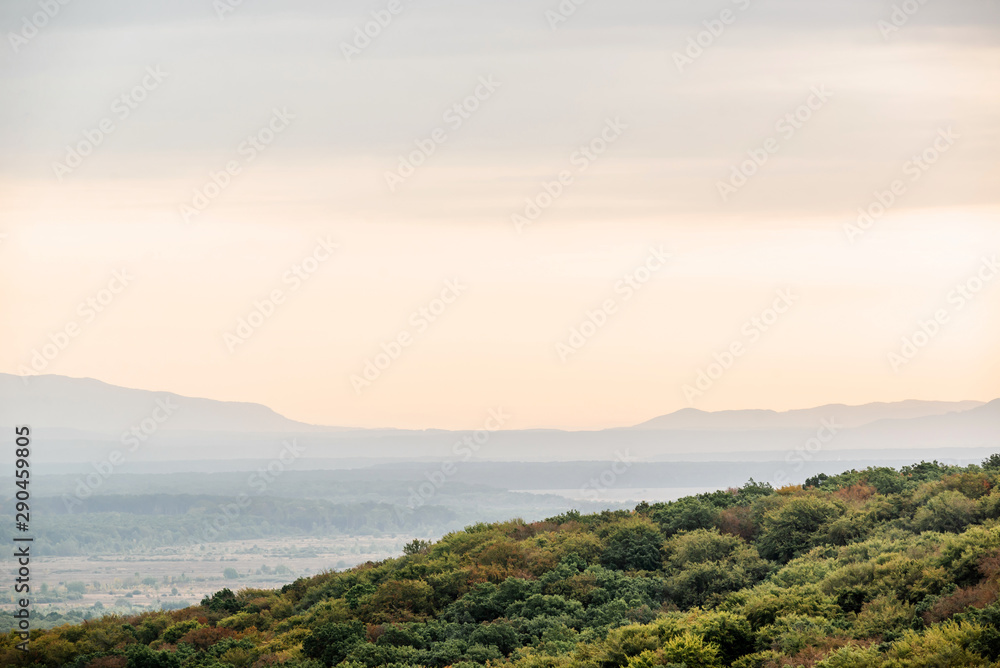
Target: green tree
416, 546
686, 514
358, 594
692, 651
222, 601
634, 546
793, 528
948, 512
332, 643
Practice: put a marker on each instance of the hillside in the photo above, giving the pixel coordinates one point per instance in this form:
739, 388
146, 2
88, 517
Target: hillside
865, 569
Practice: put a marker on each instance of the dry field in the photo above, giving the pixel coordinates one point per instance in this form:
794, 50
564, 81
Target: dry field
129, 580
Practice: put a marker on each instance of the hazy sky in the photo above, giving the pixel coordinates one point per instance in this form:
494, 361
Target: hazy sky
115, 113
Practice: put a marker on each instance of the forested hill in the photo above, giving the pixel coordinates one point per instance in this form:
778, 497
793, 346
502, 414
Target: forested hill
865, 569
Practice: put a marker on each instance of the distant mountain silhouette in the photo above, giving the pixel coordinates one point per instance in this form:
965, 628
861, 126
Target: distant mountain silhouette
976, 427
79, 420
692, 419
87, 405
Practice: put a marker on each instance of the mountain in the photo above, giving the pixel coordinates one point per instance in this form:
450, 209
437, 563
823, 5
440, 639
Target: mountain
82, 420
85, 405
692, 419
976, 427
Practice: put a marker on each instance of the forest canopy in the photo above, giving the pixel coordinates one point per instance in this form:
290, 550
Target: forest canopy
871, 568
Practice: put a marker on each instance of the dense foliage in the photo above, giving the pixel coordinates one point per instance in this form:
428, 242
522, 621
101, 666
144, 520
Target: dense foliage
874, 568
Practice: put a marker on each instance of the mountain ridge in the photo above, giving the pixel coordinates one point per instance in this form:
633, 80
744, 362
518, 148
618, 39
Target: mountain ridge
92, 406
848, 416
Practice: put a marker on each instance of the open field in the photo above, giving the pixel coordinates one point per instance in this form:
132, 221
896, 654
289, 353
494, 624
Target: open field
171, 577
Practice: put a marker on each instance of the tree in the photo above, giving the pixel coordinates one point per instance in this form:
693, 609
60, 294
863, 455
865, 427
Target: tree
729, 632
992, 463
698, 547
358, 594
222, 601
140, 656
792, 529
332, 643
416, 546
706, 583
634, 546
501, 635
816, 481
686, 514
692, 651
401, 599
175, 632
948, 512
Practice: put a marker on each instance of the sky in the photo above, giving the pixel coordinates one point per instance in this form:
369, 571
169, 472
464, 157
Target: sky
587, 214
